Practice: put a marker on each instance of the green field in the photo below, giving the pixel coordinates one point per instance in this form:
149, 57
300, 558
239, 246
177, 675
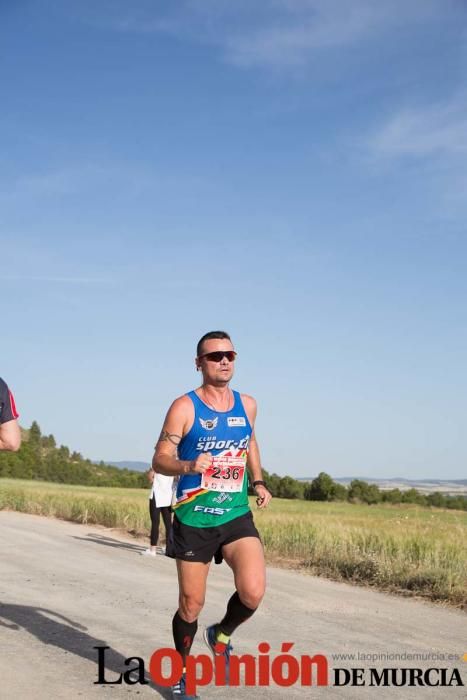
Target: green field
404, 548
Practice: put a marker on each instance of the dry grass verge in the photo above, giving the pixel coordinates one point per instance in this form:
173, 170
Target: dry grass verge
407, 549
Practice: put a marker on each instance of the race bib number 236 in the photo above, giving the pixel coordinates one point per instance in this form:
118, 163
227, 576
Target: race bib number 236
225, 474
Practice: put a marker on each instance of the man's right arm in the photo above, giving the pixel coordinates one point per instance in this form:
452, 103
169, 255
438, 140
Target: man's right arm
176, 425
10, 434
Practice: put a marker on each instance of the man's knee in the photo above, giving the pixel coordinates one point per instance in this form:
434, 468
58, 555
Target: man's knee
252, 595
190, 607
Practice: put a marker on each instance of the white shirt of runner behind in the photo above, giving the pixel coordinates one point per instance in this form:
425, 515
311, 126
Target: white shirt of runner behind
162, 488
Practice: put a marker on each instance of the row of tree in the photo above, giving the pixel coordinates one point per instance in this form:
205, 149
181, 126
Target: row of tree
324, 488
39, 458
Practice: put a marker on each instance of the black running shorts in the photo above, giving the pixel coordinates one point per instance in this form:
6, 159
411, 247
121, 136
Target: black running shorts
203, 543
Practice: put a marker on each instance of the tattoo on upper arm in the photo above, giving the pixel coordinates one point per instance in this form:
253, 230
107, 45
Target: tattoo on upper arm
165, 436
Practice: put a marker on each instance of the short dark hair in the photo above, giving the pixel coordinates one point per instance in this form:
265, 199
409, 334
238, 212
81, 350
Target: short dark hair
212, 335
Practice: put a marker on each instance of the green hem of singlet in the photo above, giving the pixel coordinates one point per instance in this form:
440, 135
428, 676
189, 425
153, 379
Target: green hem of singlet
214, 520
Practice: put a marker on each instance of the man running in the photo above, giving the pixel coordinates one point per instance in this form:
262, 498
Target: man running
10, 435
208, 439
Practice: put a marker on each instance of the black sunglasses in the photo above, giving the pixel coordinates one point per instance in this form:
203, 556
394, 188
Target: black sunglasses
219, 355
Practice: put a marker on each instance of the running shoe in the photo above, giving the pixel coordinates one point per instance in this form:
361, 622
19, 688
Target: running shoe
218, 649
179, 691
148, 553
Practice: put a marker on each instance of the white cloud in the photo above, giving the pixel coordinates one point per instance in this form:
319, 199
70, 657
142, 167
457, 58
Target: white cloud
317, 25
46, 278
54, 182
270, 32
58, 182
429, 144
76, 179
118, 177
436, 130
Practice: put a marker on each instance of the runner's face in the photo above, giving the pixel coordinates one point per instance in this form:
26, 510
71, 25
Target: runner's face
217, 373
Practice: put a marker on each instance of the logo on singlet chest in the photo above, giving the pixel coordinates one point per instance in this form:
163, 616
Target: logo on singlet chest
209, 424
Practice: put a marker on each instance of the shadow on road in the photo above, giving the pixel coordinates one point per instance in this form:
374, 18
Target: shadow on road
110, 542
50, 627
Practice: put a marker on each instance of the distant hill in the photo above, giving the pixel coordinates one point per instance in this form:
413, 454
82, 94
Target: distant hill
453, 487
134, 466
448, 486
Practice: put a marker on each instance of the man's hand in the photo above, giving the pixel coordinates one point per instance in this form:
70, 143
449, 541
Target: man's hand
263, 496
202, 463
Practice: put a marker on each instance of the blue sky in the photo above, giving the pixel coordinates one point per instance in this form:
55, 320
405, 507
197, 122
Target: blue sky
292, 171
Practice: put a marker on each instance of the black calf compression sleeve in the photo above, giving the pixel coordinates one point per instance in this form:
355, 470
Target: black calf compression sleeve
184, 633
235, 615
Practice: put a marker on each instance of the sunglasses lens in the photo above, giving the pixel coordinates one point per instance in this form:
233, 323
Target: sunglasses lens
219, 356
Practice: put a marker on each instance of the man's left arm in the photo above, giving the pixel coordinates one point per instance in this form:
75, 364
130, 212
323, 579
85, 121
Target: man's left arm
254, 460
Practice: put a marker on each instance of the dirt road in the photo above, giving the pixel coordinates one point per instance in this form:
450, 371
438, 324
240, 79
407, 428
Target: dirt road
66, 588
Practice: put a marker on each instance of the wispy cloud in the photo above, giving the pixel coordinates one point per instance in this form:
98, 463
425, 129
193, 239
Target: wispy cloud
430, 141
46, 278
310, 25
53, 182
115, 177
435, 130
76, 178
271, 32
57, 182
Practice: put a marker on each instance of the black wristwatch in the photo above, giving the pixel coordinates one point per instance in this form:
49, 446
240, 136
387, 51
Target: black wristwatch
259, 482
